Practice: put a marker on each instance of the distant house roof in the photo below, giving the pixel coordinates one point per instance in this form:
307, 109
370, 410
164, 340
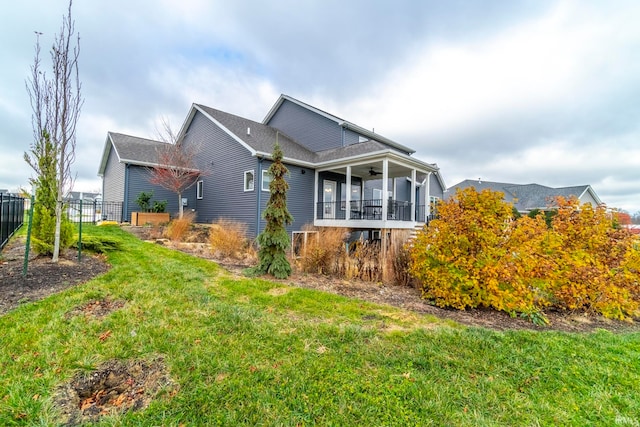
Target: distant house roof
526, 197
130, 149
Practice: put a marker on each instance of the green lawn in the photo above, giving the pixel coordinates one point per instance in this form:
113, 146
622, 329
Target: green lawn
254, 352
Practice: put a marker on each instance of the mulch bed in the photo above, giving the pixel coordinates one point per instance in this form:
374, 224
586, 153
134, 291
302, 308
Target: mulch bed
43, 277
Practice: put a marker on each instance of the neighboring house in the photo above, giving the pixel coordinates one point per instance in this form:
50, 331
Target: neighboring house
528, 197
340, 174
87, 197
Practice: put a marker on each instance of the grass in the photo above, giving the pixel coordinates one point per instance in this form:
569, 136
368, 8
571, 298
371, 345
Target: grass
254, 352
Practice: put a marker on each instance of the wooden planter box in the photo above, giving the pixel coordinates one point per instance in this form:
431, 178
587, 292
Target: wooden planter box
142, 218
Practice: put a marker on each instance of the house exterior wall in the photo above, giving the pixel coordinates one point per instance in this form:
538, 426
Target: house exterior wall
138, 181
312, 130
113, 179
587, 198
435, 188
299, 196
224, 160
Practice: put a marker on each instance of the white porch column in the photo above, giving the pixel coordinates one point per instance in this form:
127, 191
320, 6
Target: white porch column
315, 197
413, 195
347, 208
427, 197
385, 188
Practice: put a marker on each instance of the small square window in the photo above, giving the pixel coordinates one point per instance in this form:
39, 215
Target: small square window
248, 181
199, 189
266, 180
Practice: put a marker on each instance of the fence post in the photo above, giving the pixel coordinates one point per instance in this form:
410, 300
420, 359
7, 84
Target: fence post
28, 244
80, 234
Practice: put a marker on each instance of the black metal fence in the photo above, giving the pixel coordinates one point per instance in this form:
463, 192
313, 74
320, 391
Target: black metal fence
11, 216
92, 211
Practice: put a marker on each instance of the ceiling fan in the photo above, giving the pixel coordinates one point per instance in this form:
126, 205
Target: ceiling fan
373, 172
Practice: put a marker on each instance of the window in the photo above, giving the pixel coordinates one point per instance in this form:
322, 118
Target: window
199, 188
433, 203
248, 181
355, 195
266, 180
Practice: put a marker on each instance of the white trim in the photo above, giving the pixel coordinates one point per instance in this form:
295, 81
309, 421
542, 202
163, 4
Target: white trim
227, 131
200, 190
262, 180
253, 181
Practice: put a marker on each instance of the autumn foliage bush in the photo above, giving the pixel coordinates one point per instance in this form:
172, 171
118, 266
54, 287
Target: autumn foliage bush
477, 255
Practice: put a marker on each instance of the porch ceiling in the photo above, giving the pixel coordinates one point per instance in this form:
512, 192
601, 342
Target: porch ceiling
363, 170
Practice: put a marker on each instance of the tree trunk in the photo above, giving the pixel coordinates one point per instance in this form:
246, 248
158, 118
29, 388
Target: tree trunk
56, 241
180, 207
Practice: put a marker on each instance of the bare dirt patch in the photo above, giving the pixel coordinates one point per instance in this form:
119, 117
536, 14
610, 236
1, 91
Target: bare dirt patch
115, 387
43, 277
97, 308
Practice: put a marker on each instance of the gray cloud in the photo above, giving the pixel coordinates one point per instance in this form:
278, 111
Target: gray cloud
520, 91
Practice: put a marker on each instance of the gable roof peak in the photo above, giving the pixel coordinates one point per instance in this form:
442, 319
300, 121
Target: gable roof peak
340, 122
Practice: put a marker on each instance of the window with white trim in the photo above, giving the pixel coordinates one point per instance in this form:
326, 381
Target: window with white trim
199, 189
249, 179
266, 180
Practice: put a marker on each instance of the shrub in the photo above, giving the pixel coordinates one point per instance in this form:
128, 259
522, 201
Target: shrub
228, 239
475, 254
178, 228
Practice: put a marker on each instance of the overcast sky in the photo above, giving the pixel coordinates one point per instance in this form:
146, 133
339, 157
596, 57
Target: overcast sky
514, 91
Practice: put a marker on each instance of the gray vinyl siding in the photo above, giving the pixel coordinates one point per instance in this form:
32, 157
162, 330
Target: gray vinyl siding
225, 162
299, 196
113, 179
312, 130
350, 137
435, 187
139, 181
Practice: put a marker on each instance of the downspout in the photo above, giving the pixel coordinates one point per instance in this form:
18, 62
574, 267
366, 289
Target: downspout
259, 190
125, 207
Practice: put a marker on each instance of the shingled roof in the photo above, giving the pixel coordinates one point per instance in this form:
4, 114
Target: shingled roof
261, 137
526, 197
130, 149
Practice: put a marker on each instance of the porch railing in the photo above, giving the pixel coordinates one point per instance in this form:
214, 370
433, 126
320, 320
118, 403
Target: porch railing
364, 210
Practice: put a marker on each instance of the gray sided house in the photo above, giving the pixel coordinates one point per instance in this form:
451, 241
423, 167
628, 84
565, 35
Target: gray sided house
124, 169
340, 174
528, 197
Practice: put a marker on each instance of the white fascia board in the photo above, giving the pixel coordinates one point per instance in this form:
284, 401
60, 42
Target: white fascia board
108, 144
379, 155
288, 160
187, 121
377, 137
593, 194
227, 131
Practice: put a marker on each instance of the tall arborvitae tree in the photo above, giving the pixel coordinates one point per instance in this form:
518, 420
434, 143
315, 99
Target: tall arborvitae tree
56, 103
274, 240
45, 160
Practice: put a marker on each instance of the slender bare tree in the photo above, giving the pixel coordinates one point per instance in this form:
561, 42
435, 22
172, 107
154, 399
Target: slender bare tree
56, 102
177, 169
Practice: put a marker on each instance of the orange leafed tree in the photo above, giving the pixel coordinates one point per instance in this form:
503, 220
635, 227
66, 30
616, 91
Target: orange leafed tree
177, 169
